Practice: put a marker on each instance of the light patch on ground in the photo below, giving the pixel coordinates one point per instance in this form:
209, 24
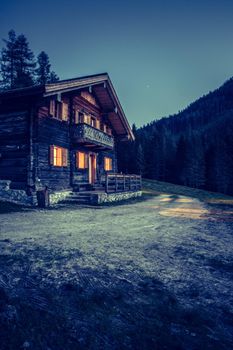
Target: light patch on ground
189, 213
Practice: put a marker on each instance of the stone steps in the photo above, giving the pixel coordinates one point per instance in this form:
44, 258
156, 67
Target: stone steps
78, 198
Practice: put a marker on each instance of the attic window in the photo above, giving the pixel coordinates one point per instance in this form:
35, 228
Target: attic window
59, 110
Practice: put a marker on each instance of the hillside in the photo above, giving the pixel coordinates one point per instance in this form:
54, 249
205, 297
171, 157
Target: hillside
192, 148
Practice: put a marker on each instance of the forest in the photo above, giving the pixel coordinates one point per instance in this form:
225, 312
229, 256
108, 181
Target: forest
18, 66
192, 148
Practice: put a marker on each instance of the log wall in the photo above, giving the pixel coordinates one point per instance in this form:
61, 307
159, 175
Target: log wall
14, 146
51, 132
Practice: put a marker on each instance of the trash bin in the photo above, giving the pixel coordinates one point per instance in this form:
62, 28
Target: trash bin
43, 198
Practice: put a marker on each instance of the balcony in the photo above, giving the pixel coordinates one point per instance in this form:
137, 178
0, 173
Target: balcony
86, 134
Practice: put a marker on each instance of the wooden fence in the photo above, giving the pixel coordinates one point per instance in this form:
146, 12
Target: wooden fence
122, 183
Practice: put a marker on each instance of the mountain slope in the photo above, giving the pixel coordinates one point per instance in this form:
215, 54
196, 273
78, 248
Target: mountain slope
193, 147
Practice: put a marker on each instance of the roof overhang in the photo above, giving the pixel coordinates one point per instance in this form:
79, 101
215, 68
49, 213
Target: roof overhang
102, 87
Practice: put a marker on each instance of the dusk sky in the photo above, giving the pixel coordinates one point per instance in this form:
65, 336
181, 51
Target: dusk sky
160, 55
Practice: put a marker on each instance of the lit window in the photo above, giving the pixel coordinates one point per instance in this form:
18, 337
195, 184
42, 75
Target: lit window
81, 160
87, 119
58, 156
107, 163
97, 124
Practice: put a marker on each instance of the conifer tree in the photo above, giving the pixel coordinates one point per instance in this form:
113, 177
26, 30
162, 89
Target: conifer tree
8, 61
43, 72
140, 161
53, 77
18, 67
25, 64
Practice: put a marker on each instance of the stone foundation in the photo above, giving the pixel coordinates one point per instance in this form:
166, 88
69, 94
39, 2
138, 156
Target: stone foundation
21, 197
101, 198
15, 196
58, 196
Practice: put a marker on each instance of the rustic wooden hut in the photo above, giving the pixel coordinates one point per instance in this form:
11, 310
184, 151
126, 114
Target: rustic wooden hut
62, 137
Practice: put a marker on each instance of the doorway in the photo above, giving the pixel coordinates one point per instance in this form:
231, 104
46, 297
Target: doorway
92, 168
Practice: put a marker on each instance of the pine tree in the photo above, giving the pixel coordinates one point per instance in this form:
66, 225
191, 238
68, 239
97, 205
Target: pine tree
53, 77
44, 75
25, 64
8, 62
180, 159
43, 71
140, 160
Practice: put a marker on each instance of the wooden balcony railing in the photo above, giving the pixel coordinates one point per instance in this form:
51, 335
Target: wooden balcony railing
122, 183
84, 133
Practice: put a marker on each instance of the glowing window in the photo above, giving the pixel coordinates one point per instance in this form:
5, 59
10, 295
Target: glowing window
58, 156
81, 160
107, 163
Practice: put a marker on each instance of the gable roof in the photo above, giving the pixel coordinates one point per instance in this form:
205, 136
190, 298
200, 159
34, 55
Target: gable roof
102, 88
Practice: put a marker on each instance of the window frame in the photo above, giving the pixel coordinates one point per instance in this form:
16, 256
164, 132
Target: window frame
85, 160
57, 108
108, 164
62, 160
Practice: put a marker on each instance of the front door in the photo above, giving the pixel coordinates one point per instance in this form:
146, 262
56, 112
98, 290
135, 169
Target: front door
92, 168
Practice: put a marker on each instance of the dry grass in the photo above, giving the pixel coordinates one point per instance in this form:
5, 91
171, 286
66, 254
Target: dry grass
153, 187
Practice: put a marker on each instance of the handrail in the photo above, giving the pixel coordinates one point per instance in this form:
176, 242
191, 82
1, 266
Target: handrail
115, 182
83, 131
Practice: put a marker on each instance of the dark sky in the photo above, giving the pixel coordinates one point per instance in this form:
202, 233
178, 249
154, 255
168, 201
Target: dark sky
160, 55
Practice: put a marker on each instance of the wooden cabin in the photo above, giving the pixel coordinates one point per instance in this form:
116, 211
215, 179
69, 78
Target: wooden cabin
62, 135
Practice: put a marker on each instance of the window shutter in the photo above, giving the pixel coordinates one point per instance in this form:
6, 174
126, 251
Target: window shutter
52, 107
64, 156
86, 160
105, 163
51, 155
76, 117
97, 124
58, 110
65, 111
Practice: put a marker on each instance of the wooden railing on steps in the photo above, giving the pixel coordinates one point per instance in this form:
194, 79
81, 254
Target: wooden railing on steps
122, 183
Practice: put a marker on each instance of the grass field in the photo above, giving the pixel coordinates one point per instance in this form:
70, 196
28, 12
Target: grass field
154, 273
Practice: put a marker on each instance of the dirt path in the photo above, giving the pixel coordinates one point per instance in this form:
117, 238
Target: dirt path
154, 274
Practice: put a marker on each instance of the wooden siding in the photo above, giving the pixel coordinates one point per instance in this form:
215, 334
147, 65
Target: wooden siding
51, 132
14, 146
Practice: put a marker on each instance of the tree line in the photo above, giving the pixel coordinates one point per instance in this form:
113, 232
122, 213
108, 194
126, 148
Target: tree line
18, 66
192, 148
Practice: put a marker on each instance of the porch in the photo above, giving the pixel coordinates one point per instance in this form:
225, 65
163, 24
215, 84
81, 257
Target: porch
112, 188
